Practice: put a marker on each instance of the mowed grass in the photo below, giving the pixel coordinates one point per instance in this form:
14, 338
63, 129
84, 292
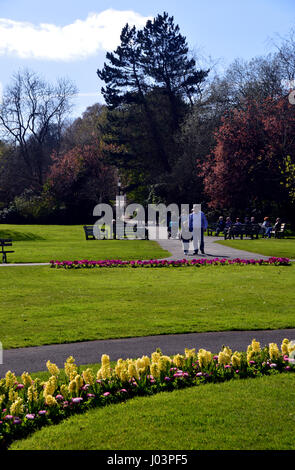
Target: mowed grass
282, 248
251, 414
43, 243
43, 305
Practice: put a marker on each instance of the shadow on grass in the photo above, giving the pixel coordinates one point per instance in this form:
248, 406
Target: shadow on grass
20, 236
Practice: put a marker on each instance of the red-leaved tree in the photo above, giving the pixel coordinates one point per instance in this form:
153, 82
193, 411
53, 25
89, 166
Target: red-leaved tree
81, 178
247, 168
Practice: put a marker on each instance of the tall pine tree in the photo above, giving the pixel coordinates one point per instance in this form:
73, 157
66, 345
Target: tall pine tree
150, 81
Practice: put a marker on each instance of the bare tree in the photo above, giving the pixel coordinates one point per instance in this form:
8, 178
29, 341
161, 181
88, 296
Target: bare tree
31, 111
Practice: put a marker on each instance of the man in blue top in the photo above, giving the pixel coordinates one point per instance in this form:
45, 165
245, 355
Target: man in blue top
198, 224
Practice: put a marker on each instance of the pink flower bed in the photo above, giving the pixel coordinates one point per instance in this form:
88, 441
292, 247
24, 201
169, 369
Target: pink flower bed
107, 263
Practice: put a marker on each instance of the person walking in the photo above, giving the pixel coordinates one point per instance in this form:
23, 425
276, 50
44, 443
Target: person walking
183, 230
198, 224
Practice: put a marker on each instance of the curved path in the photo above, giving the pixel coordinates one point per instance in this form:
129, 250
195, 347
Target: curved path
212, 250
33, 359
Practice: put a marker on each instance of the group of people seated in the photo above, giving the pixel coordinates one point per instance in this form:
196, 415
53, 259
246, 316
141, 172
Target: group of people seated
229, 228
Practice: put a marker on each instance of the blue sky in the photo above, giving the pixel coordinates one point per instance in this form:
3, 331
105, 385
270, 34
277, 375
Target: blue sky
69, 38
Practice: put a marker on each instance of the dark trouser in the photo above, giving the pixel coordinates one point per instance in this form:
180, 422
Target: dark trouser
196, 242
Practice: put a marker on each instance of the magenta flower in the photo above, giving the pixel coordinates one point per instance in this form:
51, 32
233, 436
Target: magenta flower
17, 420
30, 416
77, 400
106, 394
42, 412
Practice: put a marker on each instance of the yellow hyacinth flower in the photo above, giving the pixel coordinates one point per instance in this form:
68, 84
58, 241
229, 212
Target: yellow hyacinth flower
164, 363
124, 375
178, 360
155, 356
146, 360
190, 352
132, 371
50, 400
17, 407
236, 359
10, 379
255, 346
88, 376
12, 395
284, 346
225, 355
70, 368
105, 360
104, 372
118, 369
32, 394
79, 382
274, 351
50, 386
140, 365
72, 386
53, 369
204, 357
26, 379
155, 372
223, 358
64, 391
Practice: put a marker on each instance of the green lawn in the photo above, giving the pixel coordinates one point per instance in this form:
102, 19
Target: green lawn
42, 305
42, 243
282, 248
251, 414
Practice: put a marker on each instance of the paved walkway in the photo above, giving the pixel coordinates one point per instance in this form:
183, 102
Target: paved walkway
212, 250
33, 359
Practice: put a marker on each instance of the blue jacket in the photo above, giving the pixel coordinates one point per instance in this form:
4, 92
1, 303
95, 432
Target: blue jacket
194, 218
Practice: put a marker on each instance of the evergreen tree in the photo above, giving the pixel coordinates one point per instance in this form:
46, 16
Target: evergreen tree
149, 84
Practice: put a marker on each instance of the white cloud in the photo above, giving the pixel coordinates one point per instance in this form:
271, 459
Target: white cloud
81, 39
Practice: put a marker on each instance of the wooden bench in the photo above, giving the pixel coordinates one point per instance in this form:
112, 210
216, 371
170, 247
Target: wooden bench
243, 230
280, 233
213, 228
88, 229
5, 242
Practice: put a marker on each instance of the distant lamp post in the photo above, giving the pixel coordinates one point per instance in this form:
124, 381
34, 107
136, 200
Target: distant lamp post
119, 186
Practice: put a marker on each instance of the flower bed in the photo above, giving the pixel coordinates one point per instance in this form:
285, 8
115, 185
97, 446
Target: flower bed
26, 404
167, 264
